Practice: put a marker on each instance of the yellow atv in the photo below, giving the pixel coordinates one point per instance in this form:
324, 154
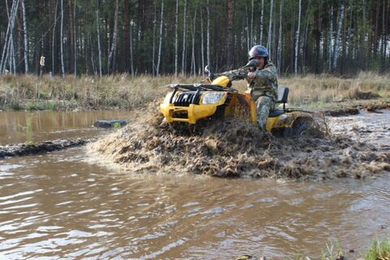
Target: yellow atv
192, 103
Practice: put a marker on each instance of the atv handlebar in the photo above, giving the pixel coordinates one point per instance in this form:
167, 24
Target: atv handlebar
195, 87
250, 67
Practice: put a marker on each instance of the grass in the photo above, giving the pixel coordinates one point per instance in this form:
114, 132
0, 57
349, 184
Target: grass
379, 250
325, 90
29, 92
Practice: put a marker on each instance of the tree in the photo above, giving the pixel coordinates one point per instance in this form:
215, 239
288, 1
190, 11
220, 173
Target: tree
261, 22
8, 43
183, 57
176, 36
25, 36
98, 42
160, 37
337, 40
280, 37
61, 39
297, 38
230, 10
112, 56
126, 35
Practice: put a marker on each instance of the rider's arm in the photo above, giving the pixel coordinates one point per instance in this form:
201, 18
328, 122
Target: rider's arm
238, 73
266, 79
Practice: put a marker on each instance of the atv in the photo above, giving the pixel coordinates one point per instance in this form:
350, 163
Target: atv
194, 103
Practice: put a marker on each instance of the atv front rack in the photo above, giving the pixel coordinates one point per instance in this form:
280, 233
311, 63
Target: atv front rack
195, 87
198, 88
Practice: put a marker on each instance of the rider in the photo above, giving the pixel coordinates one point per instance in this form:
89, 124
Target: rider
262, 83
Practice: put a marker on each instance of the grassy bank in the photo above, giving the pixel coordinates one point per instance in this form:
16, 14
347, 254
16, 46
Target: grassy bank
28, 92
378, 250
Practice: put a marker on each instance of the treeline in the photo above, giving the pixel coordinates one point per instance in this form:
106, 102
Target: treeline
181, 36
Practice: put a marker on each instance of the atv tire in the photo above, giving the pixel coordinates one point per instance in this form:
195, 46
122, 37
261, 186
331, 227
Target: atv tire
300, 127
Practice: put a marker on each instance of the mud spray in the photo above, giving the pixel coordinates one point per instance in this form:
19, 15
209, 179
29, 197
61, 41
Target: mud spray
233, 148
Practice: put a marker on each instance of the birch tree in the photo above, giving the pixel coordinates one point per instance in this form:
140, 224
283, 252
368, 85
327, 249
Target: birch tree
230, 7
269, 43
161, 37
337, 40
8, 43
297, 38
154, 39
252, 10
98, 42
261, 22
176, 36
208, 33
247, 28
112, 55
12, 61
74, 39
383, 40
53, 45
193, 62
70, 35
131, 50
330, 52
280, 43
202, 41
62, 39
183, 58
25, 36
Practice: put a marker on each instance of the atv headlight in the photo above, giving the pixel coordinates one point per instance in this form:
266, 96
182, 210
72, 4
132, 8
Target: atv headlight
212, 97
168, 97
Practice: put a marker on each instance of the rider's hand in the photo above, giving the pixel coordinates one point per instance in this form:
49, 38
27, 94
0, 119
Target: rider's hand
251, 75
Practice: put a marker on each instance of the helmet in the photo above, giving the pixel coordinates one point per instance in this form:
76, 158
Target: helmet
258, 51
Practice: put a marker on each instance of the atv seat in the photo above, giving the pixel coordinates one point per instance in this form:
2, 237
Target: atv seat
282, 95
282, 99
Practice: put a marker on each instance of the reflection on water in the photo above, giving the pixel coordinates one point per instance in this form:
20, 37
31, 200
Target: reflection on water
59, 205
20, 127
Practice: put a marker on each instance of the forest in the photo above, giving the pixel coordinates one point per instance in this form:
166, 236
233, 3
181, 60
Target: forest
171, 37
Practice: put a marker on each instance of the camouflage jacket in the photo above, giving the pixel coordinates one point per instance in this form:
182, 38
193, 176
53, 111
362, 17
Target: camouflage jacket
265, 82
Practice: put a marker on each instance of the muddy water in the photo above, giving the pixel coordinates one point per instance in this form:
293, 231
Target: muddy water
19, 127
366, 127
62, 205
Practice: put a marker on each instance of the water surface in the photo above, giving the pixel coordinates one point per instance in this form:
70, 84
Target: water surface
65, 205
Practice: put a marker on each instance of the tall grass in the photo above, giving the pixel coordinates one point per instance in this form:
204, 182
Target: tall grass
30, 92
325, 89
379, 250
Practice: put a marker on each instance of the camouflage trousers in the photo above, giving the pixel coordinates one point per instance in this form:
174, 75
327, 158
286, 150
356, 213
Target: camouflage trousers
263, 106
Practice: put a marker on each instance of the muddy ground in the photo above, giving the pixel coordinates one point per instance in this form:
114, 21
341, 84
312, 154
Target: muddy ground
39, 148
233, 148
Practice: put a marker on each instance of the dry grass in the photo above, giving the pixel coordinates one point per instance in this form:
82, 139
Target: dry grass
324, 89
123, 91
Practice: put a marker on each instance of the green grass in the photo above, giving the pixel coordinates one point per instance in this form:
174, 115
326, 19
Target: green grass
117, 125
333, 251
379, 250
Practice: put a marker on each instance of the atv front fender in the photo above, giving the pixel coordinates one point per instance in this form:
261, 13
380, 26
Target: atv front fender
190, 114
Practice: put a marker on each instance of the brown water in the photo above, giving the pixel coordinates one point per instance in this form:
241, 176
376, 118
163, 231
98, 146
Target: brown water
19, 127
64, 205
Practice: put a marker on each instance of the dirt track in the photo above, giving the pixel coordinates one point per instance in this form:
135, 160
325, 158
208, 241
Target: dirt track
235, 149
